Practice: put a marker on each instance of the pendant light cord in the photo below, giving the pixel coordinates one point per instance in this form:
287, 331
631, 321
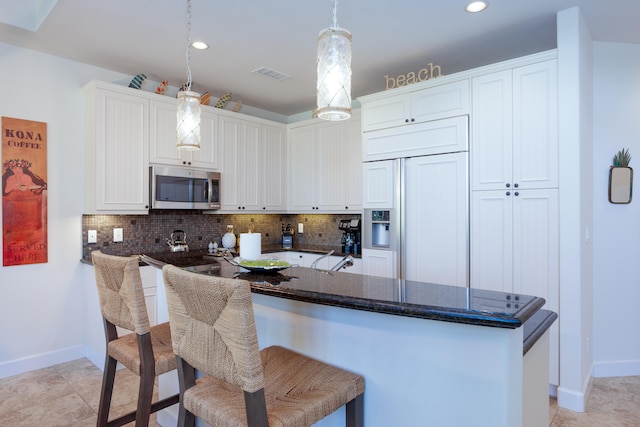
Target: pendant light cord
335, 13
188, 85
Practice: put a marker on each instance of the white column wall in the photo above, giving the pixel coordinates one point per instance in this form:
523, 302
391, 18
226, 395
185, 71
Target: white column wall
575, 124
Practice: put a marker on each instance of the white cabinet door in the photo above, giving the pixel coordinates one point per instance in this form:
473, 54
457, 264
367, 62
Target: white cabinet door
378, 263
241, 153
434, 103
378, 189
208, 156
492, 240
331, 185
325, 171
492, 130
436, 249
353, 172
514, 242
163, 122
535, 126
274, 164
117, 152
535, 245
149, 284
515, 129
385, 113
302, 169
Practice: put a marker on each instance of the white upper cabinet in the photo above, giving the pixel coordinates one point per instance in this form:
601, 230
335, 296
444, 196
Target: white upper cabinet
437, 102
253, 155
378, 179
325, 167
241, 152
163, 122
274, 167
514, 140
116, 150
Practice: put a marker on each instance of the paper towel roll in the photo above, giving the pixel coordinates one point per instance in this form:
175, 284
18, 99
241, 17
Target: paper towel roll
250, 246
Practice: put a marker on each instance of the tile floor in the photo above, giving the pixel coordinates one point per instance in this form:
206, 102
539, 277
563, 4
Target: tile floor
64, 395
68, 394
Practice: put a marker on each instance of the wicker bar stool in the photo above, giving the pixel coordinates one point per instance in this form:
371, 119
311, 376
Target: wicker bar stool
213, 330
147, 352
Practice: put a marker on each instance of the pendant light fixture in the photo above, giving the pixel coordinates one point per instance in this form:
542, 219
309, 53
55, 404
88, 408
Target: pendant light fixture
188, 131
334, 72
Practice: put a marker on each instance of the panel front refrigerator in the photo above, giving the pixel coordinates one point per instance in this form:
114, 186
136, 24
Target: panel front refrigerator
426, 225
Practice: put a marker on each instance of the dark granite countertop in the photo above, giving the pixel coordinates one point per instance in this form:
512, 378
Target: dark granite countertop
369, 293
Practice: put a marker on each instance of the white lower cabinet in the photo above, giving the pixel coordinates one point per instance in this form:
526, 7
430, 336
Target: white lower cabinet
514, 248
378, 263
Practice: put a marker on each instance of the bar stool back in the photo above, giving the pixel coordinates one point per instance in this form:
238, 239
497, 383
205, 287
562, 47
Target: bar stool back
213, 331
146, 352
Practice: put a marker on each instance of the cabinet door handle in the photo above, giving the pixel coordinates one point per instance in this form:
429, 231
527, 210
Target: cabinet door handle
412, 119
516, 194
508, 193
516, 185
406, 120
508, 185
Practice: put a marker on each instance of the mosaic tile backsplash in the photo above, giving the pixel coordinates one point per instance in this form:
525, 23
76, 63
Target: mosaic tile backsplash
148, 233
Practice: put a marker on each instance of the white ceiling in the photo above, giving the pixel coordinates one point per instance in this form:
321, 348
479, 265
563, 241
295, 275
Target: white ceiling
390, 37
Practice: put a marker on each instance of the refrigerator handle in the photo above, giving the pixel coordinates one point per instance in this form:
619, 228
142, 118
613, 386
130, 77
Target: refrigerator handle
400, 220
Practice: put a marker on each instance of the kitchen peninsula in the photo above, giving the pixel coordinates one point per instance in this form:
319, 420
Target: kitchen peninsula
430, 354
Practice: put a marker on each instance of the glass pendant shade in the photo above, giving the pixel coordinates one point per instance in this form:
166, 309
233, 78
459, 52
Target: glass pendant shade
188, 130
334, 74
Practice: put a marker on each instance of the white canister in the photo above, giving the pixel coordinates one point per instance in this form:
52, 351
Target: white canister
250, 246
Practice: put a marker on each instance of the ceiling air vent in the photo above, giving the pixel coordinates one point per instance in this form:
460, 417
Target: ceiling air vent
272, 74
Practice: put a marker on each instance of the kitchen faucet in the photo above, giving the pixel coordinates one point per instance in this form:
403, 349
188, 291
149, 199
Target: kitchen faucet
313, 265
346, 261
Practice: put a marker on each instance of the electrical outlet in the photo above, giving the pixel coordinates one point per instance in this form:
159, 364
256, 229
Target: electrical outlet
300, 228
92, 236
117, 235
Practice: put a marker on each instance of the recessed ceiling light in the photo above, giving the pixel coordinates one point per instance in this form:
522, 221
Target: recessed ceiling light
476, 6
199, 45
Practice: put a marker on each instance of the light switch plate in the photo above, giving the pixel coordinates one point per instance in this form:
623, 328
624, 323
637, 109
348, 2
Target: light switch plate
117, 235
300, 228
92, 236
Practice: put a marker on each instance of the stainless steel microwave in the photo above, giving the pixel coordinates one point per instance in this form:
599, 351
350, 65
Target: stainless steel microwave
183, 188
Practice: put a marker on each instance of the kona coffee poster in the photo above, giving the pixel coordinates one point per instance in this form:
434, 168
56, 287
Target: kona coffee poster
24, 192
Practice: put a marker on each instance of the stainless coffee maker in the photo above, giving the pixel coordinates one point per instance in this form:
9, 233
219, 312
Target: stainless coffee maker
351, 232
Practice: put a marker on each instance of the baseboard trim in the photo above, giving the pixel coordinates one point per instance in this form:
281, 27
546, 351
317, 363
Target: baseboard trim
575, 400
622, 368
39, 361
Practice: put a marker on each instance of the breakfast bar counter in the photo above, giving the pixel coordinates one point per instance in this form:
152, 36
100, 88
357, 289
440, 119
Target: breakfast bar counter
430, 354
